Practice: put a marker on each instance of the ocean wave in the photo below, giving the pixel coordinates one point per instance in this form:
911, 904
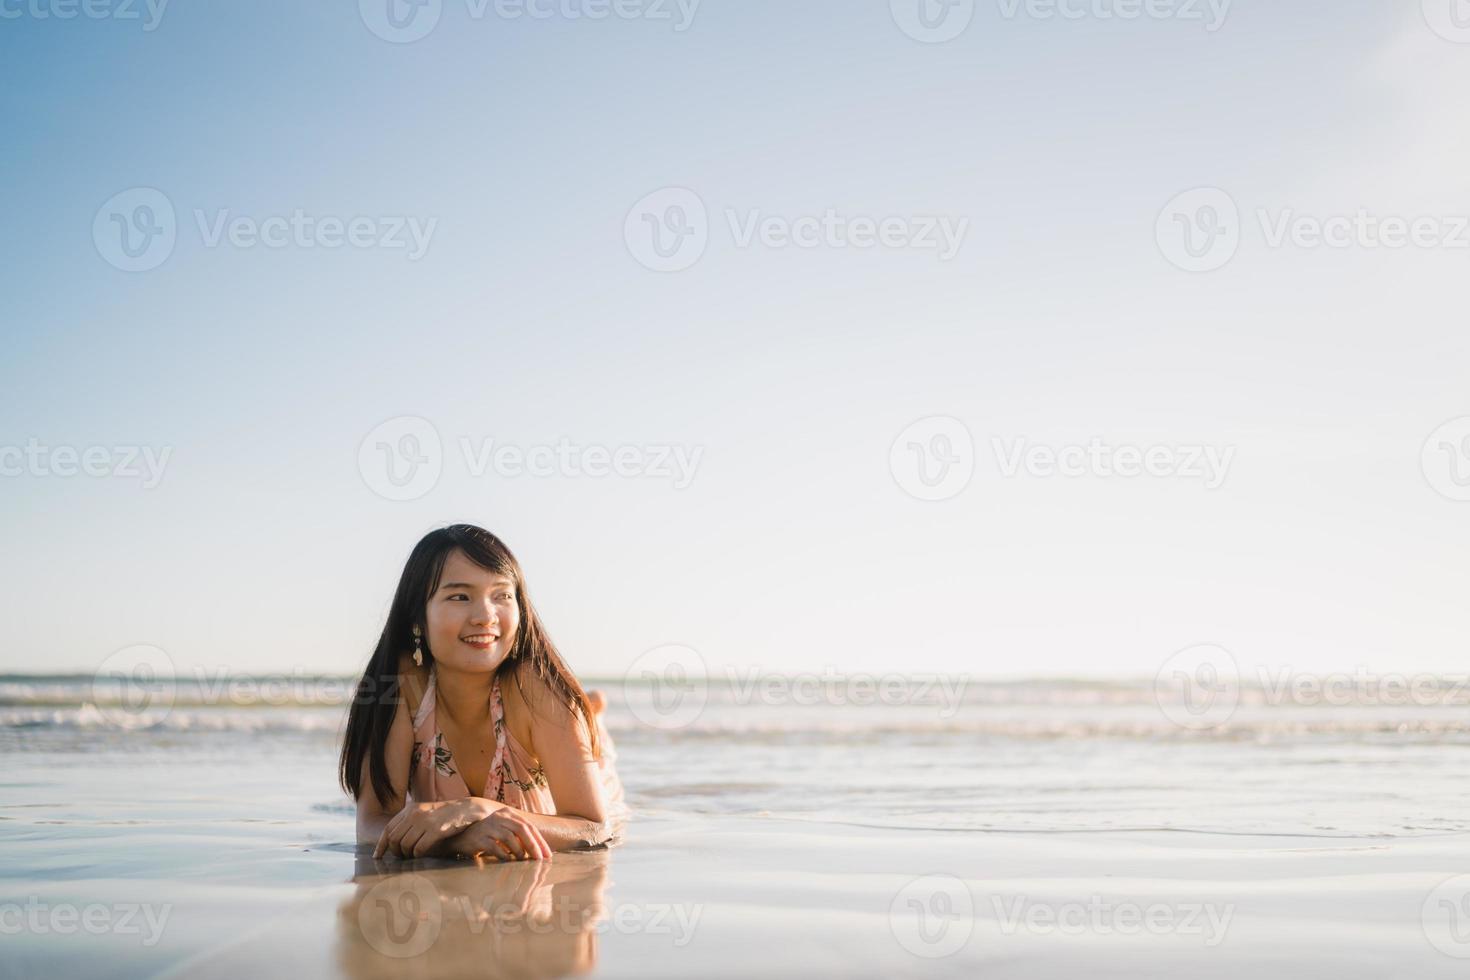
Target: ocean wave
90, 717
788, 729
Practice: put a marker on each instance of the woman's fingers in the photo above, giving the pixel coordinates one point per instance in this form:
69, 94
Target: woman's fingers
397, 838
530, 838
513, 843
409, 841
537, 844
405, 831
386, 837
433, 834
393, 832
413, 833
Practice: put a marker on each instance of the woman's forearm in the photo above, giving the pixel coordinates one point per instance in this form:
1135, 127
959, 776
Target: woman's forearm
567, 833
561, 833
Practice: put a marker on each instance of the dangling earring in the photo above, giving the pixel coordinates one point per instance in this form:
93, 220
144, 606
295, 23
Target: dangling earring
418, 653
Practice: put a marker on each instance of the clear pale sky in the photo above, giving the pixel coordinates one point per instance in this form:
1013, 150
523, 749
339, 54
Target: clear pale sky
793, 370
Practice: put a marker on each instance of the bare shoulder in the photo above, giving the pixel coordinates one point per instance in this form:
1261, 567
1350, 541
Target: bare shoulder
537, 694
550, 704
541, 710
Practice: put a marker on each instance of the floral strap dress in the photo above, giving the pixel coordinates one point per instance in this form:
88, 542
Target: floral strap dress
516, 778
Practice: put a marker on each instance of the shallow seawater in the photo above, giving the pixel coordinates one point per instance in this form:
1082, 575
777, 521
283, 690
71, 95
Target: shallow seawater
224, 823
1025, 756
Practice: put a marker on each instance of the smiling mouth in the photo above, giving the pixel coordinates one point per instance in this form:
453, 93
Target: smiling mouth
481, 639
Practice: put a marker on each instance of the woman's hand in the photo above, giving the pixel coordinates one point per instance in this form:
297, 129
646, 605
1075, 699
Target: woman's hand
419, 827
505, 834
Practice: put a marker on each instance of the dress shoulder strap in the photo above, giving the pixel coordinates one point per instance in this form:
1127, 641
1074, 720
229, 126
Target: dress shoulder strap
426, 706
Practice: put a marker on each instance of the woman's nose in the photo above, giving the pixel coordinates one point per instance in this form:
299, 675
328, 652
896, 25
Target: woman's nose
484, 614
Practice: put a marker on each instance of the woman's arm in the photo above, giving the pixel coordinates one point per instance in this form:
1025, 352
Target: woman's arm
561, 833
562, 743
373, 816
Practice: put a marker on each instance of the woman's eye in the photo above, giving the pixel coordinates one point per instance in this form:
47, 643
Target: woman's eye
459, 595
505, 595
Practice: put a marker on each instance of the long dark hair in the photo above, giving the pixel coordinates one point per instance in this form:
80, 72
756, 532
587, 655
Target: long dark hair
378, 693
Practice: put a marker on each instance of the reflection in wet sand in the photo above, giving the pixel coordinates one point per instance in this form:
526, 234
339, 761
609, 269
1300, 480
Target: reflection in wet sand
432, 918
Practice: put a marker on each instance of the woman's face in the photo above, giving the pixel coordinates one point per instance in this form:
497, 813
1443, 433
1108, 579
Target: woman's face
471, 621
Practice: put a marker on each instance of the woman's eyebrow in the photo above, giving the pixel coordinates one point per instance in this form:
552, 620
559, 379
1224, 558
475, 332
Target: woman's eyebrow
470, 585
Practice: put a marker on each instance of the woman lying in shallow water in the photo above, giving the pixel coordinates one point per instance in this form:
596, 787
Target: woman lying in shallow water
469, 735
